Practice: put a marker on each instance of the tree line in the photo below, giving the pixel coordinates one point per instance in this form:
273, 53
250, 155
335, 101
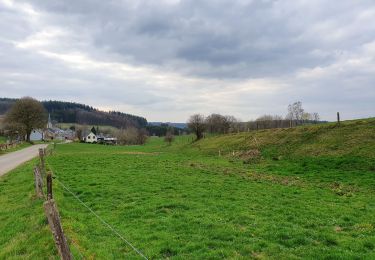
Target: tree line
70, 112
163, 129
222, 124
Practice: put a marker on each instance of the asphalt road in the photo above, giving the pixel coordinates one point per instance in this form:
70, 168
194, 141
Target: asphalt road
10, 161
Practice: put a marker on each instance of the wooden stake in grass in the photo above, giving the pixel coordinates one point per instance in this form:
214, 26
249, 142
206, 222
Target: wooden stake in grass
338, 118
42, 165
49, 186
38, 182
53, 217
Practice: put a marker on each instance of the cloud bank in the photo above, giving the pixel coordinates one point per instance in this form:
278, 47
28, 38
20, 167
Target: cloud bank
168, 59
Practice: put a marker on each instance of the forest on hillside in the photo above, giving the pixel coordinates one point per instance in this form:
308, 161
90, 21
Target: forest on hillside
69, 112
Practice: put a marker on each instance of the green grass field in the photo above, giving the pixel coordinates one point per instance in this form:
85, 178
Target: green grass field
105, 128
295, 193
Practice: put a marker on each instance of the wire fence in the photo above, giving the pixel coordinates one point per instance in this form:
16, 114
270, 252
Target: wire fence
105, 223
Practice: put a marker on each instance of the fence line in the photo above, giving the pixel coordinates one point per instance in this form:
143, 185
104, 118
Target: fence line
96, 215
50, 207
102, 220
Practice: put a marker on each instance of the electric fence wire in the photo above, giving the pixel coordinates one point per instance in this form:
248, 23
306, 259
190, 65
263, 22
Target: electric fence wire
74, 245
97, 216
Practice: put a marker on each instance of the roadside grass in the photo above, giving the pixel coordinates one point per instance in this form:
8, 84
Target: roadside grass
185, 202
24, 231
18, 147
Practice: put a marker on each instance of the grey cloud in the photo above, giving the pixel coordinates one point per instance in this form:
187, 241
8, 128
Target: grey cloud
270, 37
212, 41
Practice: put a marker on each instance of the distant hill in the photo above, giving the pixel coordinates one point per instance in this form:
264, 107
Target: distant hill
69, 112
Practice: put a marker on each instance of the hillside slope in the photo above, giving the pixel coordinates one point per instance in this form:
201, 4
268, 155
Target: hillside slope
342, 154
354, 138
68, 112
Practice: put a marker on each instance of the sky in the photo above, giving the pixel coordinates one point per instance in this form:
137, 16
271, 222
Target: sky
168, 59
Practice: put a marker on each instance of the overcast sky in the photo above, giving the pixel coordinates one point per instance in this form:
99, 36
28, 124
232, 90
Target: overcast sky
168, 59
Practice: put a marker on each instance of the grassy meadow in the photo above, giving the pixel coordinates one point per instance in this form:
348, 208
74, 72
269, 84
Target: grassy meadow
103, 128
306, 192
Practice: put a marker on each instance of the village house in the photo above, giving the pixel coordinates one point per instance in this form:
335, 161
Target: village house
55, 133
94, 137
51, 133
37, 135
90, 138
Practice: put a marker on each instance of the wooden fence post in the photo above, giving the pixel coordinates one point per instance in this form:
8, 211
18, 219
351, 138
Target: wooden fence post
49, 186
41, 156
38, 182
53, 217
338, 118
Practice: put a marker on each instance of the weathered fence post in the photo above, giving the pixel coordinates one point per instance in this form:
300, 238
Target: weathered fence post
42, 165
53, 217
338, 118
49, 186
38, 182
219, 153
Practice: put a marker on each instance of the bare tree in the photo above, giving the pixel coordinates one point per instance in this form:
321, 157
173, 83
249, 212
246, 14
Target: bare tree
298, 111
197, 125
169, 137
295, 112
142, 136
234, 123
315, 117
25, 115
79, 134
217, 123
269, 121
290, 115
127, 136
306, 117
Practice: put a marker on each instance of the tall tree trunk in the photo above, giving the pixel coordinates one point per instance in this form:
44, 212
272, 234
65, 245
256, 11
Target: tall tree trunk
28, 133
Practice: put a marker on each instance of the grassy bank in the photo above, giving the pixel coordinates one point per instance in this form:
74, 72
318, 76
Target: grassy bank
18, 147
294, 198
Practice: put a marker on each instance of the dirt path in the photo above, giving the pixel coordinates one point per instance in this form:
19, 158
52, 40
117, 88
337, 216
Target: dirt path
12, 160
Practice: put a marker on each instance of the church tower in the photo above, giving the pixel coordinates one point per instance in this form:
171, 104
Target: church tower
49, 124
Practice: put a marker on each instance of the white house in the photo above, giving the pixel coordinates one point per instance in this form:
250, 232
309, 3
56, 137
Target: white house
36, 135
90, 138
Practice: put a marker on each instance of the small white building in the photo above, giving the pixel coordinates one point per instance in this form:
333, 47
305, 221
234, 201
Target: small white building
36, 135
90, 138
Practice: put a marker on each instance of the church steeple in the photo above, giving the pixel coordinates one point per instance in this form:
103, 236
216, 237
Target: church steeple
49, 124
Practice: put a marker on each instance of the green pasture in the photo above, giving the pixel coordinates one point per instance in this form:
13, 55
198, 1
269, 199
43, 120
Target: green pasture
271, 194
